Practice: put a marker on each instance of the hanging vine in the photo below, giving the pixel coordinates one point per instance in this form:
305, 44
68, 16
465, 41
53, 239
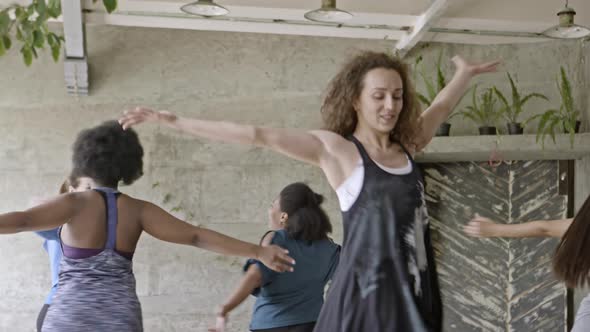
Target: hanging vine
27, 25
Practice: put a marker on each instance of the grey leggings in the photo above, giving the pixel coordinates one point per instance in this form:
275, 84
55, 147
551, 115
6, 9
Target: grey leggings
41, 317
582, 322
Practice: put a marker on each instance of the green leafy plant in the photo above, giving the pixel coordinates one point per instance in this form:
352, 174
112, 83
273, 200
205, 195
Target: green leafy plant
28, 25
484, 113
432, 88
512, 111
566, 116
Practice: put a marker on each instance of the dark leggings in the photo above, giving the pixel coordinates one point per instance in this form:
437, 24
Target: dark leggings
41, 317
307, 327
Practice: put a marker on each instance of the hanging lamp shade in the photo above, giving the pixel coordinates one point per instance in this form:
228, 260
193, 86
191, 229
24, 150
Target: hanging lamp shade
328, 13
207, 8
566, 28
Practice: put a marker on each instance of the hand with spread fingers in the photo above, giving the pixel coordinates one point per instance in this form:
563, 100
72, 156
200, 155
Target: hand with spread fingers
140, 115
475, 68
275, 258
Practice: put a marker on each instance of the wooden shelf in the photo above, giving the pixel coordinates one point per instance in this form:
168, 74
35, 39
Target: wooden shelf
507, 147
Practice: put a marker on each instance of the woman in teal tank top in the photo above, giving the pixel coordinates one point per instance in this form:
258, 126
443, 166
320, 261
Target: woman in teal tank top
290, 301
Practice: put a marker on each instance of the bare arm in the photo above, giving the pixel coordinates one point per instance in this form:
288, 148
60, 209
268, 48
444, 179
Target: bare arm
307, 146
166, 227
484, 227
251, 280
449, 97
51, 214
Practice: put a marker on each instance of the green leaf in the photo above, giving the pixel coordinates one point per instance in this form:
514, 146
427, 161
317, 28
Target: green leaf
54, 8
54, 4
440, 77
501, 97
506, 110
532, 95
55, 50
41, 7
19, 35
31, 9
54, 12
532, 118
541, 132
551, 128
110, 5
38, 39
7, 42
429, 87
2, 47
51, 39
4, 21
514, 89
28, 29
474, 97
21, 14
565, 91
424, 100
27, 55
471, 117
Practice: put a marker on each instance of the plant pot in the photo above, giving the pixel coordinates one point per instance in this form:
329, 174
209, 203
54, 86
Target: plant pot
515, 128
487, 130
576, 129
444, 129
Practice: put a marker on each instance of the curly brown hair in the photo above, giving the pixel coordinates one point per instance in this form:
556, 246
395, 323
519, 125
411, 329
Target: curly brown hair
345, 88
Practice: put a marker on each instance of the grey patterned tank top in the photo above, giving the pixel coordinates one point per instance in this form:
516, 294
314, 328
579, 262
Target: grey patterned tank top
96, 293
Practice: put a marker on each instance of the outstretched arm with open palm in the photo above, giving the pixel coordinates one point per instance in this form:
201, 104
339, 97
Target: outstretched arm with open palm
485, 227
450, 95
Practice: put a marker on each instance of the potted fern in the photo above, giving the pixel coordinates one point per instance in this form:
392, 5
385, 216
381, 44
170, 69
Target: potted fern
484, 113
512, 111
565, 117
432, 89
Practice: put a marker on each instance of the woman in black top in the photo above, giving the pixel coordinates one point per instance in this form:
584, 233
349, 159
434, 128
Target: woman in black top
386, 279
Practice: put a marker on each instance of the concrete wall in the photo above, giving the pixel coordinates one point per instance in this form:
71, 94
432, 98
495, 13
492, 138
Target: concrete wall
250, 78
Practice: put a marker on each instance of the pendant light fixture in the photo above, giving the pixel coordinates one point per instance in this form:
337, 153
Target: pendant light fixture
207, 8
328, 13
566, 27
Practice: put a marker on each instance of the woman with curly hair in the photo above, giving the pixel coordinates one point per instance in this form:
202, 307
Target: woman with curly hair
99, 230
386, 279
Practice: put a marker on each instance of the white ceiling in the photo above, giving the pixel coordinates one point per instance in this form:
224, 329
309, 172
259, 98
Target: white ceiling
526, 10
486, 21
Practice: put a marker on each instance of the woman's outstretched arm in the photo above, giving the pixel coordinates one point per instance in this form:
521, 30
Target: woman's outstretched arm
446, 100
484, 227
308, 146
164, 226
